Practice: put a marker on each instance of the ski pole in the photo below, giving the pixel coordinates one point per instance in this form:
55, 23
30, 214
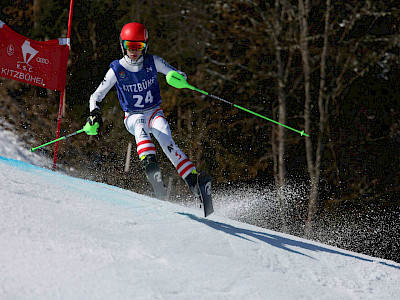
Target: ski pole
56, 140
178, 81
89, 129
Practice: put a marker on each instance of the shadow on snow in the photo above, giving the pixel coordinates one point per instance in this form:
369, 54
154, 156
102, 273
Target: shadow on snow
274, 240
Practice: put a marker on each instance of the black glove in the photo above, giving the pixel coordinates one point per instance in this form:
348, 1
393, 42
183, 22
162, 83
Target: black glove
95, 117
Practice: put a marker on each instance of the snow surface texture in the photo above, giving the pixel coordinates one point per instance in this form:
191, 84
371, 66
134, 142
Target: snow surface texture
12, 147
68, 238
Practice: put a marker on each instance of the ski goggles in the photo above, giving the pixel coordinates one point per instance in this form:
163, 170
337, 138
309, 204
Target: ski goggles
132, 46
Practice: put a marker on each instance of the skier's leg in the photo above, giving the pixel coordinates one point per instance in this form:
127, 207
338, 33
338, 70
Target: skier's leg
138, 126
185, 168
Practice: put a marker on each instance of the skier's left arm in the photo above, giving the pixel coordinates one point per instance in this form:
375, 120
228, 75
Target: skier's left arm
164, 67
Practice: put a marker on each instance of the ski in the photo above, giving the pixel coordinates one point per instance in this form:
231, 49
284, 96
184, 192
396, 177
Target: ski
204, 184
153, 174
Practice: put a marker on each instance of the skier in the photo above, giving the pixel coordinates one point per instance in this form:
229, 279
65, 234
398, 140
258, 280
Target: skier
135, 78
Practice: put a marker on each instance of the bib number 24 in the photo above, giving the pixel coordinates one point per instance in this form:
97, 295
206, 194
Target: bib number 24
141, 101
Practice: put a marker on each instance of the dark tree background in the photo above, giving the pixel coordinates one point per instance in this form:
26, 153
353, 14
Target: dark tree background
328, 66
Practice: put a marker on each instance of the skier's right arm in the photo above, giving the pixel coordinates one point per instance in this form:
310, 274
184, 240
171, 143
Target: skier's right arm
97, 97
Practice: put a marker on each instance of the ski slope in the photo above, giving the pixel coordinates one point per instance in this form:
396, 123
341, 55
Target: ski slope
12, 147
68, 238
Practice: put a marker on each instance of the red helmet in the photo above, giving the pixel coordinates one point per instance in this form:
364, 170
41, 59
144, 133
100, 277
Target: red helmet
134, 32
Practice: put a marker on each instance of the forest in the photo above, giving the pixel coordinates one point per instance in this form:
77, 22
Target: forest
328, 67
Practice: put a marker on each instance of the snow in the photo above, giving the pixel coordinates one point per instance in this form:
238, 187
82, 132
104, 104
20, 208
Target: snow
68, 238
12, 147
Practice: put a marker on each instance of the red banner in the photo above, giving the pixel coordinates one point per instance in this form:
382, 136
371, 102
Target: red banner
42, 64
